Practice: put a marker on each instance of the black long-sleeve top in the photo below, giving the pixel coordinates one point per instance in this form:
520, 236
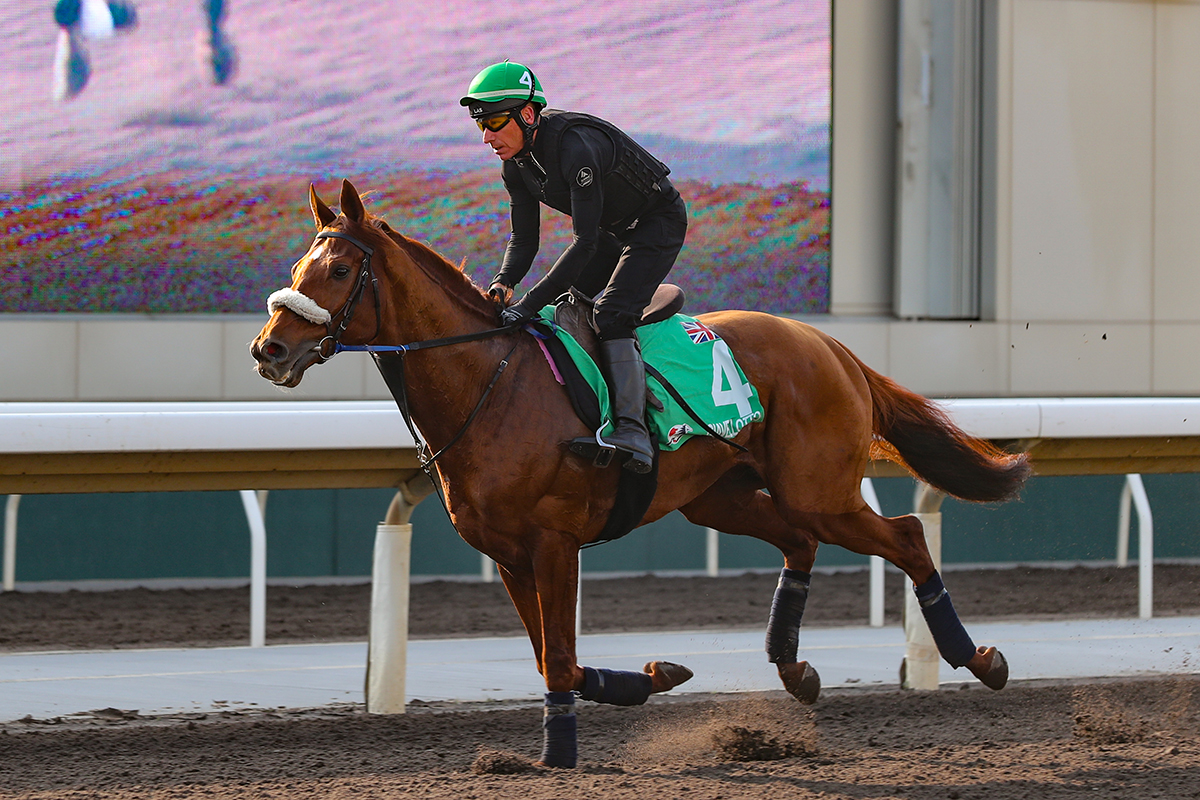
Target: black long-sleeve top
574, 185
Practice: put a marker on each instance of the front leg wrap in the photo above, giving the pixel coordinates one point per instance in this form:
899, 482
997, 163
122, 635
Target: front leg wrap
616, 687
787, 610
952, 639
559, 737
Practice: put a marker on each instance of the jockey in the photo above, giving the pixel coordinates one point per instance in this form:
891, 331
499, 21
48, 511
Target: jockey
628, 221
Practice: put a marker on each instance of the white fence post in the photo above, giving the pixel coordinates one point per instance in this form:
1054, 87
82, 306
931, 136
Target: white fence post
487, 569
1123, 524
712, 552
387, 657
255, 515
387, 640
876, 582
1135, 490
10, 541
921, 658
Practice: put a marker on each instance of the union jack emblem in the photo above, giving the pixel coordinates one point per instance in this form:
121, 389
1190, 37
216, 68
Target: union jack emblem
698, 331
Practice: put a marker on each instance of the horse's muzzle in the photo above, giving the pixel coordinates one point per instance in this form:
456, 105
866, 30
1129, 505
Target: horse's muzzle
281, 364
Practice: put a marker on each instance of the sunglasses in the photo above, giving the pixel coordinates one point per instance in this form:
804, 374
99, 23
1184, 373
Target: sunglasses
494, 122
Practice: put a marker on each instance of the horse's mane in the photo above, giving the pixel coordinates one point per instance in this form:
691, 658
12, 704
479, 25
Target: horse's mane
450, 277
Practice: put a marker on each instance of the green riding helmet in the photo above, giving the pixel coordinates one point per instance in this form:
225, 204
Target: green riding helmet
501, 87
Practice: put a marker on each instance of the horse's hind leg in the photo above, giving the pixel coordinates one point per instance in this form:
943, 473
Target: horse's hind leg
901, 540
735, 505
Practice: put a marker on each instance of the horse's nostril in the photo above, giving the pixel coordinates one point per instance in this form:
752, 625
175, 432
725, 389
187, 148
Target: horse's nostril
269, 350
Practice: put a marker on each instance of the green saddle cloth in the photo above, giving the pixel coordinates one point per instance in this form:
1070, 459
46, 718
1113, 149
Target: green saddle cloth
696, 362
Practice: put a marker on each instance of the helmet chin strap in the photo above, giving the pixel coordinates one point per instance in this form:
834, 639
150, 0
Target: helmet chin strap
527, 129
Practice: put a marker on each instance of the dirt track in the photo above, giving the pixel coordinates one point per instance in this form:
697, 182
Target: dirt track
1120, 739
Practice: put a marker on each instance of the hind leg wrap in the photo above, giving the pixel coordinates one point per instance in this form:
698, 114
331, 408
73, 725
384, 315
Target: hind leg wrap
787, 610
616, 687
951, 637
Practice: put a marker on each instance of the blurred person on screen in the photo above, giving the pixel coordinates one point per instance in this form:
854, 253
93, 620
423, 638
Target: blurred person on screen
78, 20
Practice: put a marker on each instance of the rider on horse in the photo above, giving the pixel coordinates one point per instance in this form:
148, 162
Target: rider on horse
628, 221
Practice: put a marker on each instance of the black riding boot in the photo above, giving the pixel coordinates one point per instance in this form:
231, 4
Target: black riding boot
627, 386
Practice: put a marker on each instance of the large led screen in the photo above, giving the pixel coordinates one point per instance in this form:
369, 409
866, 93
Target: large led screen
155, 156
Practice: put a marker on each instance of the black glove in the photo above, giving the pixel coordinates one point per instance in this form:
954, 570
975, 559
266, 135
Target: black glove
516, 314
500, 293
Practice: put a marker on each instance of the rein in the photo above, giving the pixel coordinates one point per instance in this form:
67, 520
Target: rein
422, 345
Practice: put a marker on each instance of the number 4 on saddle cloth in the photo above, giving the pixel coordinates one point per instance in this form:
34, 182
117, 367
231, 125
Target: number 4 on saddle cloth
694, 388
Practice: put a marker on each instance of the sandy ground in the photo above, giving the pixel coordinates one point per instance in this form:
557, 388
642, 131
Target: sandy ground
1119, 739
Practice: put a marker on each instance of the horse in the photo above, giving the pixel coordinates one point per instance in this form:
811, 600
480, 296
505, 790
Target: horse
489, 404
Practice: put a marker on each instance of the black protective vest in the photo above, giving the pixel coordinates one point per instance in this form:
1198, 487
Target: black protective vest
631, 182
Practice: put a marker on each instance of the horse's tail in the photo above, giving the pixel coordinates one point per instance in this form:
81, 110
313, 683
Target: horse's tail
919, 435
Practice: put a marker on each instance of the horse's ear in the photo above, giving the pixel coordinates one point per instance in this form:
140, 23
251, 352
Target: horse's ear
352, 205
322, 214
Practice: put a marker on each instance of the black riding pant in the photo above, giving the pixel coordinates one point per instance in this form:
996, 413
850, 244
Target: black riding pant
629, 266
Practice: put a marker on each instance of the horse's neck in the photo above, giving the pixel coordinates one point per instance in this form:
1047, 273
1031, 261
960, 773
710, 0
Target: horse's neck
443, 384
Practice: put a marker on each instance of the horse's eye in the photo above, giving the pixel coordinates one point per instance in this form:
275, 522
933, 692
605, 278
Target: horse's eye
341, 271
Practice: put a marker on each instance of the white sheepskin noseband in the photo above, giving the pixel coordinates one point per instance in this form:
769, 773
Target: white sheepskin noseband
300, 303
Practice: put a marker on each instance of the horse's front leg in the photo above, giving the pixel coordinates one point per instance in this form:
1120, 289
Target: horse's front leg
556, 573
523, 593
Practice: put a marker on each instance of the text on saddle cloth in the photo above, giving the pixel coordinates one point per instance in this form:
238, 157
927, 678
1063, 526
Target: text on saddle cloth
696, 361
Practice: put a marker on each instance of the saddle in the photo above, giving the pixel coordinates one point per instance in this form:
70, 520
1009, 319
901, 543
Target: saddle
575, 313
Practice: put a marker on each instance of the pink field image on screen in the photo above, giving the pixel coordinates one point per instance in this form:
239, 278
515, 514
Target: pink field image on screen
155, 190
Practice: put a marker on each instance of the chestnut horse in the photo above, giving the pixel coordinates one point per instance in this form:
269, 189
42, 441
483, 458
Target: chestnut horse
516, 493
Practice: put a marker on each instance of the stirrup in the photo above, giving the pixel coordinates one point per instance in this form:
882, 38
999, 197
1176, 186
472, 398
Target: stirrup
600, 454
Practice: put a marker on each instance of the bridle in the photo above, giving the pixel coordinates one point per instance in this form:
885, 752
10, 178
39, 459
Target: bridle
365, 273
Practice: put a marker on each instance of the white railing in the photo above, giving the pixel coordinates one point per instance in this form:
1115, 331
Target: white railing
277, 435
273, 433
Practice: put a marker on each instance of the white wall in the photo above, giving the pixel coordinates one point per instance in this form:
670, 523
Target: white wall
1097, 197
126, 357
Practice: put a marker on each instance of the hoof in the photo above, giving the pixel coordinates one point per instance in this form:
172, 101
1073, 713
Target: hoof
801, 681
990, 666
666, 675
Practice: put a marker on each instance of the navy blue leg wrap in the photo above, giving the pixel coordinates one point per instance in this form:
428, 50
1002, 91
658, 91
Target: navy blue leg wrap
559, 743
951, 637
616, 687
787, 609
